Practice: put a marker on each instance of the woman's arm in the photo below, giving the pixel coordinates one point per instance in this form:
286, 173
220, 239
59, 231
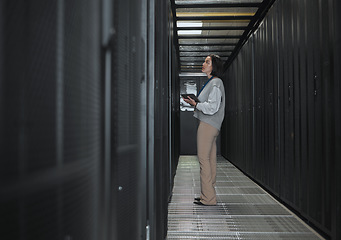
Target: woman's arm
211, 106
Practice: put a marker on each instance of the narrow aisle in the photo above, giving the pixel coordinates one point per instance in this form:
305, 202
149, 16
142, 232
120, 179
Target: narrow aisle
244, 210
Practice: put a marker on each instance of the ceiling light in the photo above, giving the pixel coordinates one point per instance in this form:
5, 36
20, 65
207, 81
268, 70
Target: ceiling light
189, 32
188, 24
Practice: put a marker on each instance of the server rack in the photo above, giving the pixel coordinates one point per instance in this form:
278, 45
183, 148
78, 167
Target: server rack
294, 134
50, 112
87, 119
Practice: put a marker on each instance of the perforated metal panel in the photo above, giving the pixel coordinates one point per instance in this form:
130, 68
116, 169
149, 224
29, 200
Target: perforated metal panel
243, 211
128, 121
51, 119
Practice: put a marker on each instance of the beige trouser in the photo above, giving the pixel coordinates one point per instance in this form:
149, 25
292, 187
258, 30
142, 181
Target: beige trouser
207, 155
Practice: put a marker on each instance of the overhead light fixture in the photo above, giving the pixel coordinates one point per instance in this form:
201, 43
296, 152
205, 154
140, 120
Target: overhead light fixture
192, 74
189, 32
189, 24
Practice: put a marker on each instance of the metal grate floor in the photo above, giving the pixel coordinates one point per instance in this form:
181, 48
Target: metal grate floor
244, 210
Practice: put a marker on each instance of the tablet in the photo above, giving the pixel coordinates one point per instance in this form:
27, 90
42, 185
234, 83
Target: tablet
191, 96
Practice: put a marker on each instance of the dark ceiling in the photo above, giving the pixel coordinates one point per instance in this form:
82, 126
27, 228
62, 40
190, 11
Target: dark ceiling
220, 27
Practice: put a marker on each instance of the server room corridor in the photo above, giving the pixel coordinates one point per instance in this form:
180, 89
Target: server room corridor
96, 142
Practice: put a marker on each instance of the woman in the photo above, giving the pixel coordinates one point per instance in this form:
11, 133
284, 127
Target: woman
210, 111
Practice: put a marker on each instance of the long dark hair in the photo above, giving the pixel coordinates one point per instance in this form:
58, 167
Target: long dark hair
217, 66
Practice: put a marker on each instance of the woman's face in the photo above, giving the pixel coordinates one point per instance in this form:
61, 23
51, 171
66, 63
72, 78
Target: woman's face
207, 66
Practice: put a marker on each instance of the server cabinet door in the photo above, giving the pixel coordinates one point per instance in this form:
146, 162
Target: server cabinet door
128, 120
287, 86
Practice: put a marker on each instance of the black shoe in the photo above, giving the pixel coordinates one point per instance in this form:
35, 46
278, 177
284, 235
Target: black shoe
199, 203
197, 199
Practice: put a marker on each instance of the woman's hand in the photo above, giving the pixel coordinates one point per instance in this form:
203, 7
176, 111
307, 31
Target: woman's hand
190, 101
